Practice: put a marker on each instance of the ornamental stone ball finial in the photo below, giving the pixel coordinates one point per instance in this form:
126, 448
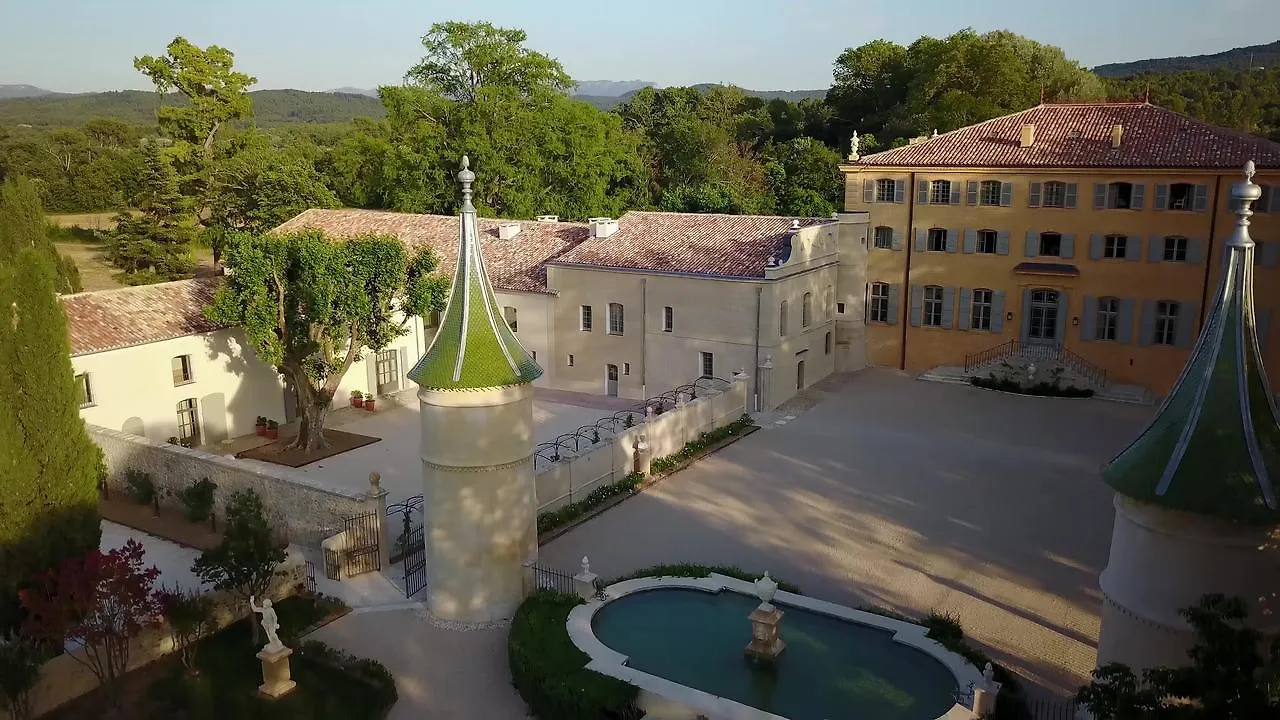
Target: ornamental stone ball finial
586, 565
465, 176
1249, 171
766, 588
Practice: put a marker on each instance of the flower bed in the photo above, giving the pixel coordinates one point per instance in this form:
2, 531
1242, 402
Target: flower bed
1040, 389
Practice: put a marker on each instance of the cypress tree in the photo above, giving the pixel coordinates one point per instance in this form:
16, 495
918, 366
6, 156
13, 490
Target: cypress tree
49, 468
23, 225
154, 245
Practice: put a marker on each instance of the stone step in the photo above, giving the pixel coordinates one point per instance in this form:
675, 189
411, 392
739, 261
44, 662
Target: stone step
1134, 394
946, 374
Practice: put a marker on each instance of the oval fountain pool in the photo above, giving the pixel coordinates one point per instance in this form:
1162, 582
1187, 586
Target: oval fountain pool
684, 640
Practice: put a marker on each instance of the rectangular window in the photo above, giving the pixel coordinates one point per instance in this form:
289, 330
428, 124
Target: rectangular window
1115, 246
668, 319
879, 302
782, 318
980, 313
1175, 249
626, 368
188, 421
937, 240
1108, 320
986, 242
933, 306
615, 319
885, 191
181, 366
570, 363
707, 364
806, 310
826, 344
940, 192
1051, 244
386, 366
84, 389
586, 318
1055, 194
990, 194
1181, 196
840, 308
884, 238
1166, 323
1119, 195
509, 314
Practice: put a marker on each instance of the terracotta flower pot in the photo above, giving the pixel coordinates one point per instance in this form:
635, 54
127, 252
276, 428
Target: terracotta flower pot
260, 429
272, 434
357, 402
369, 405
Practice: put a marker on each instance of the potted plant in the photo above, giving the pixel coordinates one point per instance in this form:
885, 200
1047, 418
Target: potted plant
260, 425
273, 430
369, 401
357, 398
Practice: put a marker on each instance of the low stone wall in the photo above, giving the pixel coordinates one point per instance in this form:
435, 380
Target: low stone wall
302, 508
603, 463
64, 678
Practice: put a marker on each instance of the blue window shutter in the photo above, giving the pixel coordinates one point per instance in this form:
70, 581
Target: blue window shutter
1071, 196
917, 304
1195, 251
1202, 197
1064, 309
922, 240
1138, 197
1162, 197
971, 192
1133, 247
1099, 196
1026, 313
868, 191
955, 192
1155, 249
1262, 325
1006, 194
970, 241
1095, 247
895, 240
1089, 318
1068, 246
953, 239
966, 309
922, 192
1002, 242
1188, 319
1147, 323
997, 311
948, 307
1032, 248
1124, 321
899, 191
1033, 199
894, 301
1270, 253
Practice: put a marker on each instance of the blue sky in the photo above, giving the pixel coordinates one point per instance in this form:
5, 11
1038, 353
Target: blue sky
84, 45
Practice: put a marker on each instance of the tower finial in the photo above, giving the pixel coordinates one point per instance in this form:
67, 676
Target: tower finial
1243, 195
465, 178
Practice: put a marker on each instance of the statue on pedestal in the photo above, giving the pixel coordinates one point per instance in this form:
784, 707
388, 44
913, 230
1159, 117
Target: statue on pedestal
270, 624
853, 146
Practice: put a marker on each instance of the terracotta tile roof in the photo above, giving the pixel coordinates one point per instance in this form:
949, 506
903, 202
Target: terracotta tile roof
110, 319
515, 264
697, 243
1079, 135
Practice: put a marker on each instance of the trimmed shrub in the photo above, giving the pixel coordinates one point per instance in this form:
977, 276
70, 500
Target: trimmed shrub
694, 447
197, 499
553, 519
1040, 389
140, 487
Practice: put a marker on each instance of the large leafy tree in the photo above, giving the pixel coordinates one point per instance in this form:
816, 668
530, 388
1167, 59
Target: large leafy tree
260, 186
310, 305
243, 563
804, 178
154, 244
462, 58
23, 225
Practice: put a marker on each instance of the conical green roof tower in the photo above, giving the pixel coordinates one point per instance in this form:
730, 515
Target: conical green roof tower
474, 348
1214, 445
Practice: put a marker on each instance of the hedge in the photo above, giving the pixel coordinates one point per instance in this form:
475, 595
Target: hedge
1040, 389
704, 441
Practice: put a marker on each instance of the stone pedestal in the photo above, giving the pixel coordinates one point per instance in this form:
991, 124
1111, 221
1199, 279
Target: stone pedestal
584, 583
276, 679
765, 643
984, 700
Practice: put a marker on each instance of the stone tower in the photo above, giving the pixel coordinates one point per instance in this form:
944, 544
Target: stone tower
476, 398
1195, 502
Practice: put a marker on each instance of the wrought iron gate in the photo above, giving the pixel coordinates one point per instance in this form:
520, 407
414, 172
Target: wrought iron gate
361, 554
415, 562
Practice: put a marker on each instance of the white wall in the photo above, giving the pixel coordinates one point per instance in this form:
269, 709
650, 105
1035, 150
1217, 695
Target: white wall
408, 348
533, 326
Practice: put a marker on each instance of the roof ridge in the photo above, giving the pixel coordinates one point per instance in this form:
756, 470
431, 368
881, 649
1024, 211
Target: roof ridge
139, 288
732, 215
369, 211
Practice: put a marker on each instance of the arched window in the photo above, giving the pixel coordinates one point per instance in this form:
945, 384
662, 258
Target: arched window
806, 310
616, 325
782, 318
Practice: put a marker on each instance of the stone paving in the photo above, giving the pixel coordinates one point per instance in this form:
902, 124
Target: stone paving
876, 488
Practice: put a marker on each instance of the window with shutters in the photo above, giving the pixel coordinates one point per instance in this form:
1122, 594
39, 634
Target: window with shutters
987, 242
188, 421
1175, 249
668, 318
1107, 323
980, 313
84, 390
806, 309
509, 314
1055, 195
707, 362
1181, 196
932, 306
1166, 325
782, 318
585, 321
181, 367
615, 319
1115, 246
1042, 323
884, 238
1051, 244
937, 240
940, 192
879, 302
885, 191
989, 192
1120, 195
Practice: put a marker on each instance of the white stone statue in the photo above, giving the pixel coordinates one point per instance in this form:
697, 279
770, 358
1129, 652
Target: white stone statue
766, 588
988, 675
270, 624
853, 146
1031, 372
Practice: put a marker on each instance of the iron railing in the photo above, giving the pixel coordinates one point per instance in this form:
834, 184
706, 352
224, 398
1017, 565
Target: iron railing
1037, 351
550, 578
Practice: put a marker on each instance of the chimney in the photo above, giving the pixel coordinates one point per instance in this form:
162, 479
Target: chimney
795, 224
548, 218
508, 230
602, 227
1117, 134
1028, 137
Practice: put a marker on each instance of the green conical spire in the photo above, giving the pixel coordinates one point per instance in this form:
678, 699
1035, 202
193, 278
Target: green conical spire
1214, 445
474, 348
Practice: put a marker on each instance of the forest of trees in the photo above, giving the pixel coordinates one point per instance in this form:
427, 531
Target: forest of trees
212, 162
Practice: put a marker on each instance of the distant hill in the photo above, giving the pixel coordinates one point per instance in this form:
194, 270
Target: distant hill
610, 88
1236, 59
348, 90
138, 107
607, 103
22, 91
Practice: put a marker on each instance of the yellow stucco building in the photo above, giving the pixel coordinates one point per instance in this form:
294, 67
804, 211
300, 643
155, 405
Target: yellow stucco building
1094, 230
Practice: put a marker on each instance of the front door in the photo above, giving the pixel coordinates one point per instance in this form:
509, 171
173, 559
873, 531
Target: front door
1042, 317
800, 375
388, 369
611, 381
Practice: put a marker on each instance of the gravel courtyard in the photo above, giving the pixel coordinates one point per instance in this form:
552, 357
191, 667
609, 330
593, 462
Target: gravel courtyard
913, 495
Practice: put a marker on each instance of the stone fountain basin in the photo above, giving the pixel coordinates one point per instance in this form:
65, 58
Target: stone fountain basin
746, 697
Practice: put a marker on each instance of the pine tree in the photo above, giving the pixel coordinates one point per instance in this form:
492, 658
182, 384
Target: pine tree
154, 245
49, 466
23, 225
